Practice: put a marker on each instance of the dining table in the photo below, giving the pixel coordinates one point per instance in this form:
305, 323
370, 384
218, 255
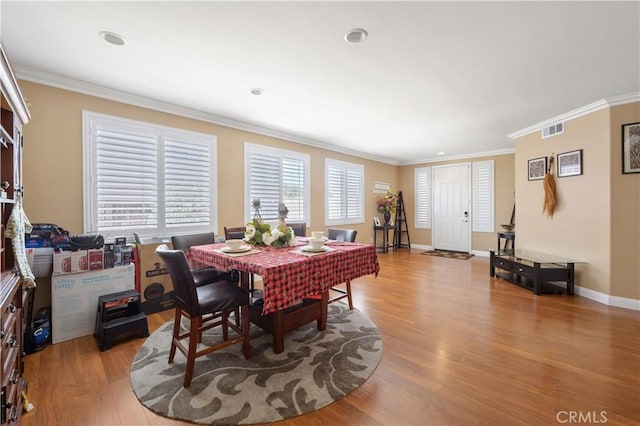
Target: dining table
295, 281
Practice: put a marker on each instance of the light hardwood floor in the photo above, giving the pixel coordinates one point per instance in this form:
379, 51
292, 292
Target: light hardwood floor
459, 348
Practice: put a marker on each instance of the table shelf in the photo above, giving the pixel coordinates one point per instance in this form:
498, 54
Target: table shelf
539, 272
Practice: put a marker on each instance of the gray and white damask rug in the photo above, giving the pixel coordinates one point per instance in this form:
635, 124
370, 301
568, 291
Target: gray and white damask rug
315, 369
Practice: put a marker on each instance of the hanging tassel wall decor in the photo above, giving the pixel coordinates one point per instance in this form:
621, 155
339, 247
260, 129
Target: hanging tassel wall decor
549, 190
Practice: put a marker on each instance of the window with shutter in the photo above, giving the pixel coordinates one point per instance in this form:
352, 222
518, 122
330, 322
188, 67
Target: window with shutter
276, 176
423, 197
148, 179
344, 192
483, 196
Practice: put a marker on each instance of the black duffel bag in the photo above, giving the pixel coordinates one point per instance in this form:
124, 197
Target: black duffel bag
86, 242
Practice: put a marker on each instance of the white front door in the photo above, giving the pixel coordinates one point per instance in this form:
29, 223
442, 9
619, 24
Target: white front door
451, 204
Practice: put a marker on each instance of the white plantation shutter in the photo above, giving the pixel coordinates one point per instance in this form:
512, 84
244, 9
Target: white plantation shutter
126, 182
344, 192
423, 197
147, 179
483, 196
276, 176
187, 184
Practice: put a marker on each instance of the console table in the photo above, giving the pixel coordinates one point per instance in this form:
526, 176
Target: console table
533, 270
386, 242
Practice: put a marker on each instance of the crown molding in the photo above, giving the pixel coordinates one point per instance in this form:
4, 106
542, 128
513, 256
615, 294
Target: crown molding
49, 79
10, 87
579, 112
459, 157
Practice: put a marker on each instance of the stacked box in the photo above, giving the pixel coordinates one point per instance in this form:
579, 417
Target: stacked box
95, 259
79, 261
61, 262
156, 287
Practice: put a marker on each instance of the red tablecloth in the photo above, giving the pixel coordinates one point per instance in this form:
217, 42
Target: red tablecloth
288, 277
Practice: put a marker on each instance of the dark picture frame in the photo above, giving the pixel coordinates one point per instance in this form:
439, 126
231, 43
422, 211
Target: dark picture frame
631, 148
537, 168
570, 163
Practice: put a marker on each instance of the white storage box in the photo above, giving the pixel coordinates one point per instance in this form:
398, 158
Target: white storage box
74, 299
40, 260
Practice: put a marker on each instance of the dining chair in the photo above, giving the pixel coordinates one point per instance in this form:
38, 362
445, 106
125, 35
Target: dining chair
208, 274
299, 228
345, 235
237, 233
348, 235
206, 307
234, 232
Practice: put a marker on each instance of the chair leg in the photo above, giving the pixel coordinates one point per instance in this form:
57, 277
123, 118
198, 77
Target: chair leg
246, 347
176, 333
349, 295
194, 335
225, 325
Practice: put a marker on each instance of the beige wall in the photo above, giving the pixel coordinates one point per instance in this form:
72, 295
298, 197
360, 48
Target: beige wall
504, 198
596, 218
625, 211
53, 160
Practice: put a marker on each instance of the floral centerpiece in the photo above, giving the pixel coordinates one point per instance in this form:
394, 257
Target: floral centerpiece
387, 204
259, 233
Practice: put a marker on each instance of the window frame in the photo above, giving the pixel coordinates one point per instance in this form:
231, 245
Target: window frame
344, 167
91, 120
253, 148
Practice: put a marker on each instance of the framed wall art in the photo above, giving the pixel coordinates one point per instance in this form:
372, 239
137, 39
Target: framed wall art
570, 163
631, 148
537, 168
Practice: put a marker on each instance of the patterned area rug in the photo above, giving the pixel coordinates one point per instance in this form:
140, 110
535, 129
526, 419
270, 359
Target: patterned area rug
315, 369
448, 254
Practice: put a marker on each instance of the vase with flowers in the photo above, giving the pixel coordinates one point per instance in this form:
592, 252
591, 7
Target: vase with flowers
258, 233
387, 204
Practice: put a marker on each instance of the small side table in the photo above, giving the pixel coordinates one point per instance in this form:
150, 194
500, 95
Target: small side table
385, 237
506, 236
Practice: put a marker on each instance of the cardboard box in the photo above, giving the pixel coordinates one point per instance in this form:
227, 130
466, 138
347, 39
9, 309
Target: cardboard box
74, 299
79, 261
156, 287
95, 259
61, 262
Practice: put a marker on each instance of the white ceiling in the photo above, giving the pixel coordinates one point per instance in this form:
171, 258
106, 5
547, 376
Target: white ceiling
455, 77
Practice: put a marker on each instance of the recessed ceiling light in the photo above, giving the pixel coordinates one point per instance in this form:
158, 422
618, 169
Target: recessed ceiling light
441, 153
112, 38
257, 91
356, 35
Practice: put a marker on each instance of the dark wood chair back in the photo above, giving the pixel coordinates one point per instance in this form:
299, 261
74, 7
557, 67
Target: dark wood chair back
299, 228
347, 235
184, 242
234, 232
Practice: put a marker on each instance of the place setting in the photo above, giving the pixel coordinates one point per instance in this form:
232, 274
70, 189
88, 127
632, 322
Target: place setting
236, 247
316, 244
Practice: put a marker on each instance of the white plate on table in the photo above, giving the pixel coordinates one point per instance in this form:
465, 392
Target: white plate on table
240, 249
314, 250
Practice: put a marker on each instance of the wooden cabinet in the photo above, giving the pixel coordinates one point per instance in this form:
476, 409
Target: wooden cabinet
14, 114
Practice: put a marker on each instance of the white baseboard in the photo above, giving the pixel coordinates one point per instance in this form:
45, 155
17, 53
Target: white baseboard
606, 299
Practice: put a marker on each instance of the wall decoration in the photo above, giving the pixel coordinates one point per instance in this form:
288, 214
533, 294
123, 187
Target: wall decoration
549, 190
537, 168
381, 187
631, 148
570, 163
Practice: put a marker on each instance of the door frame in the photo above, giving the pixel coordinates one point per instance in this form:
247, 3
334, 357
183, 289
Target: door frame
470, 200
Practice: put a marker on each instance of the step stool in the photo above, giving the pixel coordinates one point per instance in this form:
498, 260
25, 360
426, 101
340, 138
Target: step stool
119, 314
